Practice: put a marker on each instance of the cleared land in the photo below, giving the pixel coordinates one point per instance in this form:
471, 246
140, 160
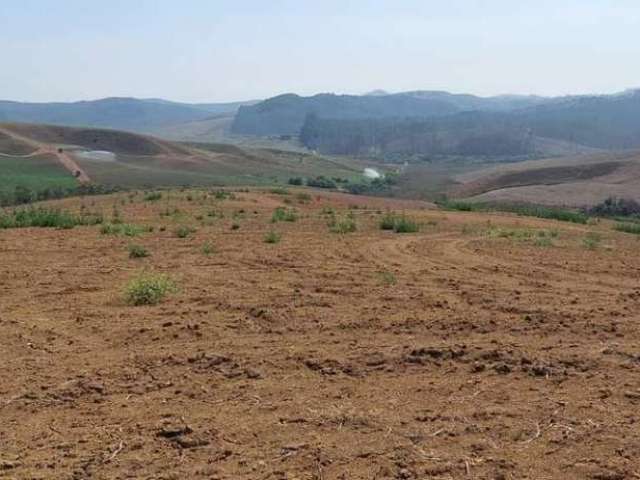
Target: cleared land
485, 346
572, 181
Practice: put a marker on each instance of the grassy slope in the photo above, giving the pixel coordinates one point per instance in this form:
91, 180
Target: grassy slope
217, 165
36, 173
146, 161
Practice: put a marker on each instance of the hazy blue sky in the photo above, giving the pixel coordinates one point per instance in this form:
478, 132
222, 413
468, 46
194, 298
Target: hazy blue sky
219, 50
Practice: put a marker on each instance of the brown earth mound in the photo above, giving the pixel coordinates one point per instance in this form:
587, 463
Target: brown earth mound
11, 146
96, 139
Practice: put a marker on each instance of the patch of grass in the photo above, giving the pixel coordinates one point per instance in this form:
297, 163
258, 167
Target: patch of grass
281, 214
388, 221
633, 228
303, 197
272, 237
592, 240
208, 248
406, 225
279, 191
399, 223
221, 195
152, 197
46, 218
343, 225
138, 251
327, 211
126, 229
149, 289
540, 238
543, 242
387, 278
519, 209
184, 231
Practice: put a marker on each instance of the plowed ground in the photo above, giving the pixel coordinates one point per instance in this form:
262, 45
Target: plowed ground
452, 353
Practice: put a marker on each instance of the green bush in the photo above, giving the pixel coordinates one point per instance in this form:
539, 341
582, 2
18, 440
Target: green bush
388, 222
184, 231
388, 278
344, 225
149, 289
138, 251
406, 225
399, 224
321, 182
272, 237
591, 240
279, 191
281, 214
126, 229
208, 248
303, 197
152, 196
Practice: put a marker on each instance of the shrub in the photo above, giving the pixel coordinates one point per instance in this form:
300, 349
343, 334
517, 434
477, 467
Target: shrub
405, 225
591, 240
279, 191
388, 221
303, 197
399, 224
388, 278
543, 242
296, 181
126, 229
616, 207
138, 251
342, 226
235, 226
321, 182
149, 289
221, 195
281, 214
153, 196
272, 237
208, 248
184, 231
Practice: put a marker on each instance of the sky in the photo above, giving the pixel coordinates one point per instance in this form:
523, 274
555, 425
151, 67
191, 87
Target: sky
229, 50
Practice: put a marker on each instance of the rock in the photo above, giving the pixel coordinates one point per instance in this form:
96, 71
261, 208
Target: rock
190, 441
170, 430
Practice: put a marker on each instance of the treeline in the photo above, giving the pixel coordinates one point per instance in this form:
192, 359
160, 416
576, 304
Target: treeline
23, 195
471, 134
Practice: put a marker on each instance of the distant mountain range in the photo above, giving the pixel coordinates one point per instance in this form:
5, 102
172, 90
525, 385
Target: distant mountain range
417, 123
140, 115
441, 123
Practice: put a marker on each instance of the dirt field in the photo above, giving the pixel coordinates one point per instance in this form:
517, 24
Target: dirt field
483, 347
580, 181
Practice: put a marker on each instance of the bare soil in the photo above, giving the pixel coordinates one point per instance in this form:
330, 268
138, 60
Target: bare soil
445, 354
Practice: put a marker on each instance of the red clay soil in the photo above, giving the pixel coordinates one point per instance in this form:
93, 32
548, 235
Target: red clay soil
458, 352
